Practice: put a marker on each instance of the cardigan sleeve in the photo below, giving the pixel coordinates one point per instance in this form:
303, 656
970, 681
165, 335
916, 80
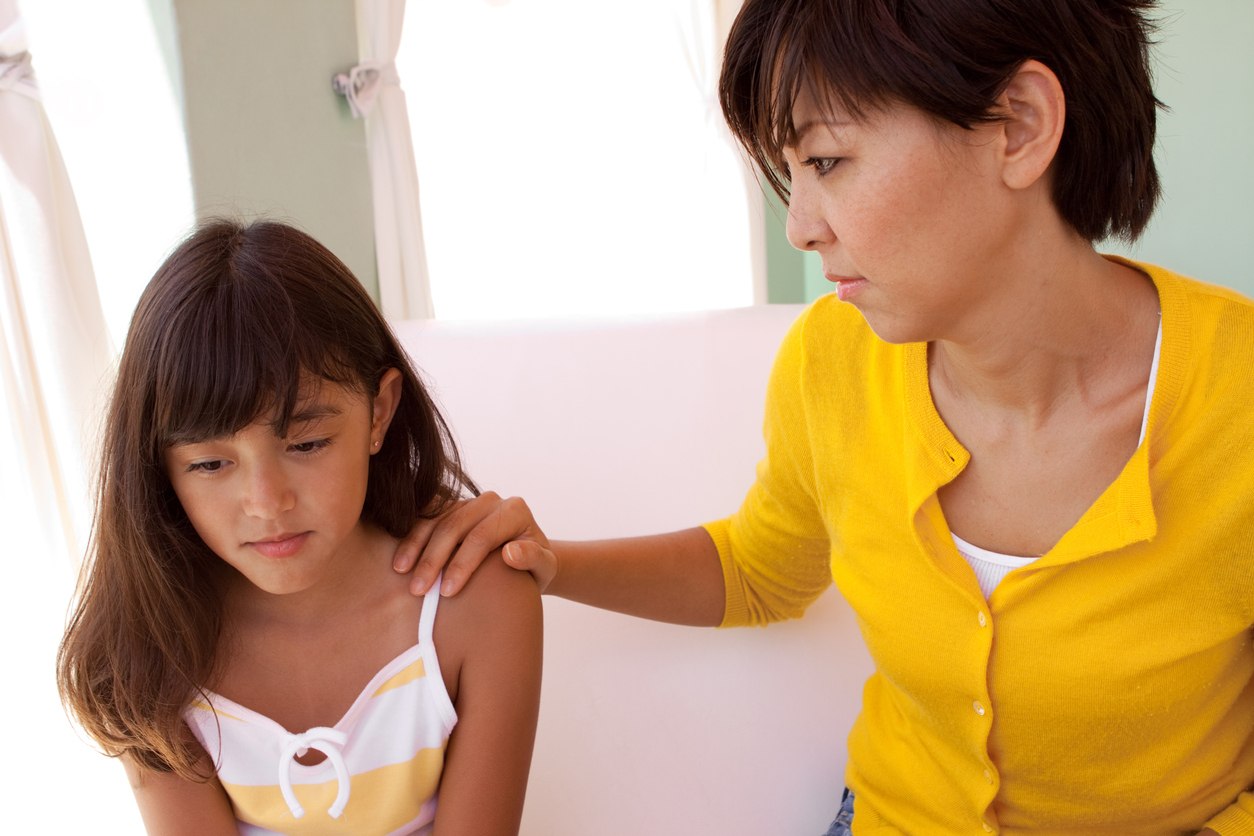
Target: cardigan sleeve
775, 549
1237, 820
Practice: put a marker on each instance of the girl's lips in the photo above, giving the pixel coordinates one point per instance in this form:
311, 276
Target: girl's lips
281, 546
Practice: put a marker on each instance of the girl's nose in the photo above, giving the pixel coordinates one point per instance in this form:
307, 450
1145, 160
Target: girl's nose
269, 493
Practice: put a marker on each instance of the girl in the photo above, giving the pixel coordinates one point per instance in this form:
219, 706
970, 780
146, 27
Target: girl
239, 639
1027, 466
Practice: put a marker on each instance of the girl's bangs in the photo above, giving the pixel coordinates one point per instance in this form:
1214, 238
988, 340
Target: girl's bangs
226, 364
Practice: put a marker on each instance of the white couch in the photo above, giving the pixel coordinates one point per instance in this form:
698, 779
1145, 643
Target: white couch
633, 426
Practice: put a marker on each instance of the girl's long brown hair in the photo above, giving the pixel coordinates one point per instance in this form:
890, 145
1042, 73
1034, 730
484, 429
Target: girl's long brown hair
223, 334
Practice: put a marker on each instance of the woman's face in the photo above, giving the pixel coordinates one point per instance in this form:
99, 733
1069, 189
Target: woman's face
909, 215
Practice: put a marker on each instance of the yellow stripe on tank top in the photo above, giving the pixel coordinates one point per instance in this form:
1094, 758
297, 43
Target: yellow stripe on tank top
204, 706
409, 673
381, 801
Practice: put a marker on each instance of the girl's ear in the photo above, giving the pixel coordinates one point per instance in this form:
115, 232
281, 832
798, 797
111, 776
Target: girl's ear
1035, 111
384, 407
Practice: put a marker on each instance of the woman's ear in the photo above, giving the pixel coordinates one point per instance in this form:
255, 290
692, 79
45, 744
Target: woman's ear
384, 407
1035, 111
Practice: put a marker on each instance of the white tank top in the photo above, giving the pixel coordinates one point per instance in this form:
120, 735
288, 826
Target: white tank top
990, 567
383, 758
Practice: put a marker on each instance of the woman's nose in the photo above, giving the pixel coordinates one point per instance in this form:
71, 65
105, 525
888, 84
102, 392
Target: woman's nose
269, 493
806, 228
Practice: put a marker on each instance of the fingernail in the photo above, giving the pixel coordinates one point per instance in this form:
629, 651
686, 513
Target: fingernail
446, 588
510, 553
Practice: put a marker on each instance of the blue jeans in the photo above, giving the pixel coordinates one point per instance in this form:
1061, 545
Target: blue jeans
841, 825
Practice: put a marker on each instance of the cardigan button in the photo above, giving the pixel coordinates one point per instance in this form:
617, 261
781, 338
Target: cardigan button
978, 707
980, 617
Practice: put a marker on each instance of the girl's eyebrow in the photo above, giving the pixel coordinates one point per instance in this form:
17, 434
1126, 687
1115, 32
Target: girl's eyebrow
315, 411
305, 415
183, 439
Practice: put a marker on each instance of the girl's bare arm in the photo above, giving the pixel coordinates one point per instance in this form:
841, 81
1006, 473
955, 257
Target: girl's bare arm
172, 805
492, 632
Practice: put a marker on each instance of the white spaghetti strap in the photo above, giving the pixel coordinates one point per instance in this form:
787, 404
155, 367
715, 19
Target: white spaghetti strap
430, 603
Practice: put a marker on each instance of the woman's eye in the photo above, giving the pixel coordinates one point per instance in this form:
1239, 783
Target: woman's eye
310, 446
205, 467
822, 165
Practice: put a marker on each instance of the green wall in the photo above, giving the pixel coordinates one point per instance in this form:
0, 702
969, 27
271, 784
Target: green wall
791, 275
1205, 75
266, 134
1204, 72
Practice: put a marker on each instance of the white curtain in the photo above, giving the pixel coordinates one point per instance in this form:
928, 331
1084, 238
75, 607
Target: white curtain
574, 162
704, 29
55, 352
374, 94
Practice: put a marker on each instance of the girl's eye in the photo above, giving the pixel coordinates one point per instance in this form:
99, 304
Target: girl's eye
205, 467
310, 446
822, 165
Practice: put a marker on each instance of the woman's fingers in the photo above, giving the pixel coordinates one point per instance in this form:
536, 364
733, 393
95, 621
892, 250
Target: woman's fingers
412, 544
530, 556
461, 538
502, 521
437, 539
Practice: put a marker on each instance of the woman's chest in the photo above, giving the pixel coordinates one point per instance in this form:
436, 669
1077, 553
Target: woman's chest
1021, 500
1023, 488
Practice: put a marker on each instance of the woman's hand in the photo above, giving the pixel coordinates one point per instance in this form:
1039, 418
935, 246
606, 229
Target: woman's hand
458, 540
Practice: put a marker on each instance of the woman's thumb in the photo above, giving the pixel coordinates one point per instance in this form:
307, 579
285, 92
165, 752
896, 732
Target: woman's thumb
530, 556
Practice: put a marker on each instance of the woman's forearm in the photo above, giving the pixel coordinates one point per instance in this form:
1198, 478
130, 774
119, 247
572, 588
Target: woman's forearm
674, 577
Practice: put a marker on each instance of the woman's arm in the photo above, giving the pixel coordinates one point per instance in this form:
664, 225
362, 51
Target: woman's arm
492, 634
173, 805
674, 577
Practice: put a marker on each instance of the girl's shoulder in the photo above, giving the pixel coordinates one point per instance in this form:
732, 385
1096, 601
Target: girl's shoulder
495, 597
497, 612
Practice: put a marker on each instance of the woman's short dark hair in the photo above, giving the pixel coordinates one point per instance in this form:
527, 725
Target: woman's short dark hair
952, 59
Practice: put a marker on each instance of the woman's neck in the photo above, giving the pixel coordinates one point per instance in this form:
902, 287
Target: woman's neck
1070, 325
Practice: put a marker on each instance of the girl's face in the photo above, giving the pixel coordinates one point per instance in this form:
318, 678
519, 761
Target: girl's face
909, 215
284, 510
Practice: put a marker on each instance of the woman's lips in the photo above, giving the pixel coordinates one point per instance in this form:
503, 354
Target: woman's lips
283, 546
846, 286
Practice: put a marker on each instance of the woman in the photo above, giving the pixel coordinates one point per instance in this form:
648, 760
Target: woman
1027, 466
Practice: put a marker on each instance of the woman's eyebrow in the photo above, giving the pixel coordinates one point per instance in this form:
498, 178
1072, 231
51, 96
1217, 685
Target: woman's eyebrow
808, 125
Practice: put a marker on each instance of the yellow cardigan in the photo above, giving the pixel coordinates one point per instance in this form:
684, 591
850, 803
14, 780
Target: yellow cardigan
1106, 688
